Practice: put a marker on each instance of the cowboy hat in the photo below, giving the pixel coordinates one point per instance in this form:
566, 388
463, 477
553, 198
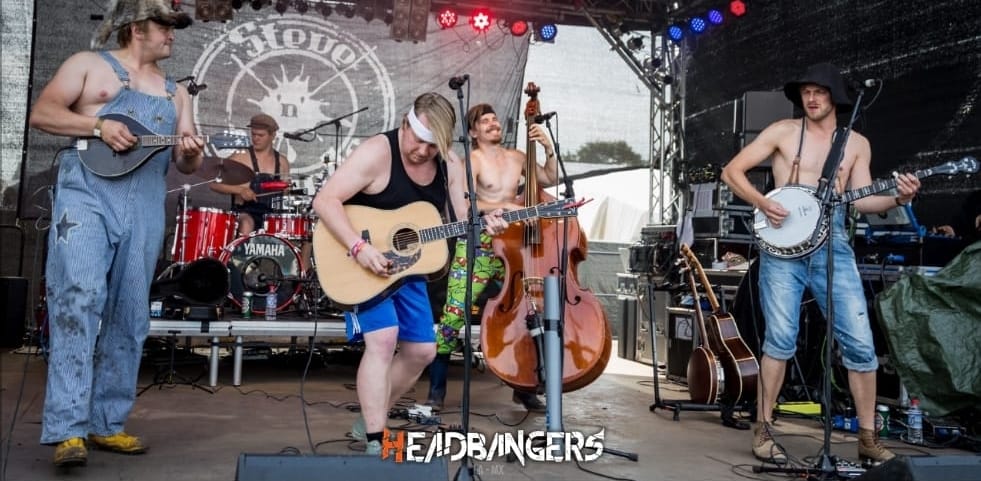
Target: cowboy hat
825, 75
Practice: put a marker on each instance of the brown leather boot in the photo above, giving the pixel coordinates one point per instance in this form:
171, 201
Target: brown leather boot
764, 448
870, 450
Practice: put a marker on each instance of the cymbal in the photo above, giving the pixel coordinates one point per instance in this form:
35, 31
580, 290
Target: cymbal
231, 172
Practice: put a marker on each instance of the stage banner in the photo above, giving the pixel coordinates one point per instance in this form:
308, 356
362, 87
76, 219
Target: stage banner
303, 70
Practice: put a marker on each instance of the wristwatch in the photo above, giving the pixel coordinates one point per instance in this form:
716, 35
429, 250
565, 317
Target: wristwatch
97, 131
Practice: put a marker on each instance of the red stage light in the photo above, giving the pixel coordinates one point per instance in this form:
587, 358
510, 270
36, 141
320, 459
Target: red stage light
519, 28
480, 20
446, 18
737, 7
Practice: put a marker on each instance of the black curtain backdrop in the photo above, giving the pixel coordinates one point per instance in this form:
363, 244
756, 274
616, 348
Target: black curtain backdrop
928, 55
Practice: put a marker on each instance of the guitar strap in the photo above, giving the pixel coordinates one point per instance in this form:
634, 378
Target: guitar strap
795, 169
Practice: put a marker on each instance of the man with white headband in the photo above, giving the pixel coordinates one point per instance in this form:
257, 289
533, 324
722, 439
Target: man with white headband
387, 171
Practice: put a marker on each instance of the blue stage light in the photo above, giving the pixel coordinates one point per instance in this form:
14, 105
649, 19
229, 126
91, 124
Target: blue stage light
676, 33
697, 24
715, 17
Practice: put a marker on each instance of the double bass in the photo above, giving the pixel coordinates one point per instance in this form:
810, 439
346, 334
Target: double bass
531, 251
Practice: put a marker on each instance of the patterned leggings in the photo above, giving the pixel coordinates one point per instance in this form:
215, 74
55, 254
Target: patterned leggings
487, 267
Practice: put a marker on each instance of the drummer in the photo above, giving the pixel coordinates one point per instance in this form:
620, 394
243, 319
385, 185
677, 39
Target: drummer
253, 200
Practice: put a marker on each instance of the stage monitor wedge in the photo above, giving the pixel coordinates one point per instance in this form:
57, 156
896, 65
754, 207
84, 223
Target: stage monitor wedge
926, 468
274, 467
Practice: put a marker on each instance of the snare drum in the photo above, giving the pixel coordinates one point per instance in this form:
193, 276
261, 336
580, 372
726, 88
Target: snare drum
202, 232
295, 227
257, 260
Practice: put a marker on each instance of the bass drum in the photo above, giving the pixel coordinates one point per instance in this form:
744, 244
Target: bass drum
257, 261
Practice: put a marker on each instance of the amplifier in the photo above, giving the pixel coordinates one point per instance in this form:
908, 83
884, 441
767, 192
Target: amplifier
731, 226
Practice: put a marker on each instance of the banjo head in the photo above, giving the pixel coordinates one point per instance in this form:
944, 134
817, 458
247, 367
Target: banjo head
799, 225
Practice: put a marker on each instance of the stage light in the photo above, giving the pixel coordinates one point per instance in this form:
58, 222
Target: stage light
281, 6
547, 32
324, 9
635, 43
257, 4
446, 18
480, 20
237, 4
737, 8
301, 6
676, 33
519, 28
715, 17
697, 24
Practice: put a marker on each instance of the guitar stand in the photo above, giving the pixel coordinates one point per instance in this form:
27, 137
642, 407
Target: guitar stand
169, 375
726, 410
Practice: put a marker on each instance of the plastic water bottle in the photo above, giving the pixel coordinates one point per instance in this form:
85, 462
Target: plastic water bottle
271, 302
914, 422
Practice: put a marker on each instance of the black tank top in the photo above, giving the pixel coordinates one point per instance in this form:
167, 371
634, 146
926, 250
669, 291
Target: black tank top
401, 190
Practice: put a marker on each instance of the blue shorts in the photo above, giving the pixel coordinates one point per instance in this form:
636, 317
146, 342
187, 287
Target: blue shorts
407, 308
782, 284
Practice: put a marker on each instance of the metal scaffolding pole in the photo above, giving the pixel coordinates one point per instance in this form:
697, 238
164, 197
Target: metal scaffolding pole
667, 129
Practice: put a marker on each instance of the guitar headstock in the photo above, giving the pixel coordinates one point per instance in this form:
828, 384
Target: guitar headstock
967, 165
227, 140
559, 208
690, 258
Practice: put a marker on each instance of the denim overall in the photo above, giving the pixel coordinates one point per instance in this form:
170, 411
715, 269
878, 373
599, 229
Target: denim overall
106, 234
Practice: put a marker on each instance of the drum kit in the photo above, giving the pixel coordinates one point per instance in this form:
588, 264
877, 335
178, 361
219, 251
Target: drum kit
268, 259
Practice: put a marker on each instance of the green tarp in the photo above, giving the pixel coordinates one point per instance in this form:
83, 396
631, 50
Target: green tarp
933, 326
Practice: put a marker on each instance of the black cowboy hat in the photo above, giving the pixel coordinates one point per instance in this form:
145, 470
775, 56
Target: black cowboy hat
825, 75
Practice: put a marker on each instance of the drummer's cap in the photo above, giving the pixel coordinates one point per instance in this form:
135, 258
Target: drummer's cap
263, 121
121, 13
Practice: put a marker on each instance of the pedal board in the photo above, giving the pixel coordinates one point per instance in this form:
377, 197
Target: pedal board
848, 469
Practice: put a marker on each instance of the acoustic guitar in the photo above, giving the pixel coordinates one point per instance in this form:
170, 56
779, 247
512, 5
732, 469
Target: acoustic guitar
706, 378
399, 235
101, 160
738, 362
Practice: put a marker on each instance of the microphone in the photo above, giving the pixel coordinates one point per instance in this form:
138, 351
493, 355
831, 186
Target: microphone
193, 88
870, 82
457, 82
293, 136
543, 117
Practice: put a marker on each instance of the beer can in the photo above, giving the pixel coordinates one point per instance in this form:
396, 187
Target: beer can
247, 304
882, 420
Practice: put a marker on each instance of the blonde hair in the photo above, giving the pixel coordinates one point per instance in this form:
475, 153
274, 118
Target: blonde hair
442, 119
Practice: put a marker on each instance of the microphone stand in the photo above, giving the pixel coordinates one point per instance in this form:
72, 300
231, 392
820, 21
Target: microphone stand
555, 317
826, 466
336, 122
466, 470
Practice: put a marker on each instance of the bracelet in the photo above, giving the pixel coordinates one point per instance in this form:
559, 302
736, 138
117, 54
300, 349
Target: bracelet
356, 248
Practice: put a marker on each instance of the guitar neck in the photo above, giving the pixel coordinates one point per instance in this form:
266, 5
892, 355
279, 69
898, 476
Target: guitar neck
160, 140
456, 229
880, 185
697, 305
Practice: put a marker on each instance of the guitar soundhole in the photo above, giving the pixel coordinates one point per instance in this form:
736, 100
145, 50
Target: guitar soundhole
405, 241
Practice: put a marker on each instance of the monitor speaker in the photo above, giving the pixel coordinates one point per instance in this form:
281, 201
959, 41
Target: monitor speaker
273, 467
13, 304
926, 468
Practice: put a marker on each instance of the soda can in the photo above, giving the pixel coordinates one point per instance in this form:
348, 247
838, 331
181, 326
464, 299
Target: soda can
247, 304
882, 420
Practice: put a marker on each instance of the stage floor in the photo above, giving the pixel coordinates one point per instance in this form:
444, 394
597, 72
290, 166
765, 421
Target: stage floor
198, 433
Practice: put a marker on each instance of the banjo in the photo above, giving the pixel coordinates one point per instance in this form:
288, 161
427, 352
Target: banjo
805, 228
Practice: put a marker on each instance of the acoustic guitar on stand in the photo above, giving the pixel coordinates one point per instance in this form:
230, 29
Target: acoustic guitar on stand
706, 378
738, 362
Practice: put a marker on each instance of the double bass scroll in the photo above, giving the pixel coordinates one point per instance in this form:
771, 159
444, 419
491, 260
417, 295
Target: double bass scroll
530, 252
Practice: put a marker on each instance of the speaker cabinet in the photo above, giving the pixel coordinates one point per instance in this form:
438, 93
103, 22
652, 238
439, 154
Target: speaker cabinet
272, 467
682, 334
926, 468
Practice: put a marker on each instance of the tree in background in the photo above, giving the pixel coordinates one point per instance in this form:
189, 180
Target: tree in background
604, 152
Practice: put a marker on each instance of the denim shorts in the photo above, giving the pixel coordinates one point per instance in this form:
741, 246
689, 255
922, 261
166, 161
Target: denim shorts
407, 308
782, 283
